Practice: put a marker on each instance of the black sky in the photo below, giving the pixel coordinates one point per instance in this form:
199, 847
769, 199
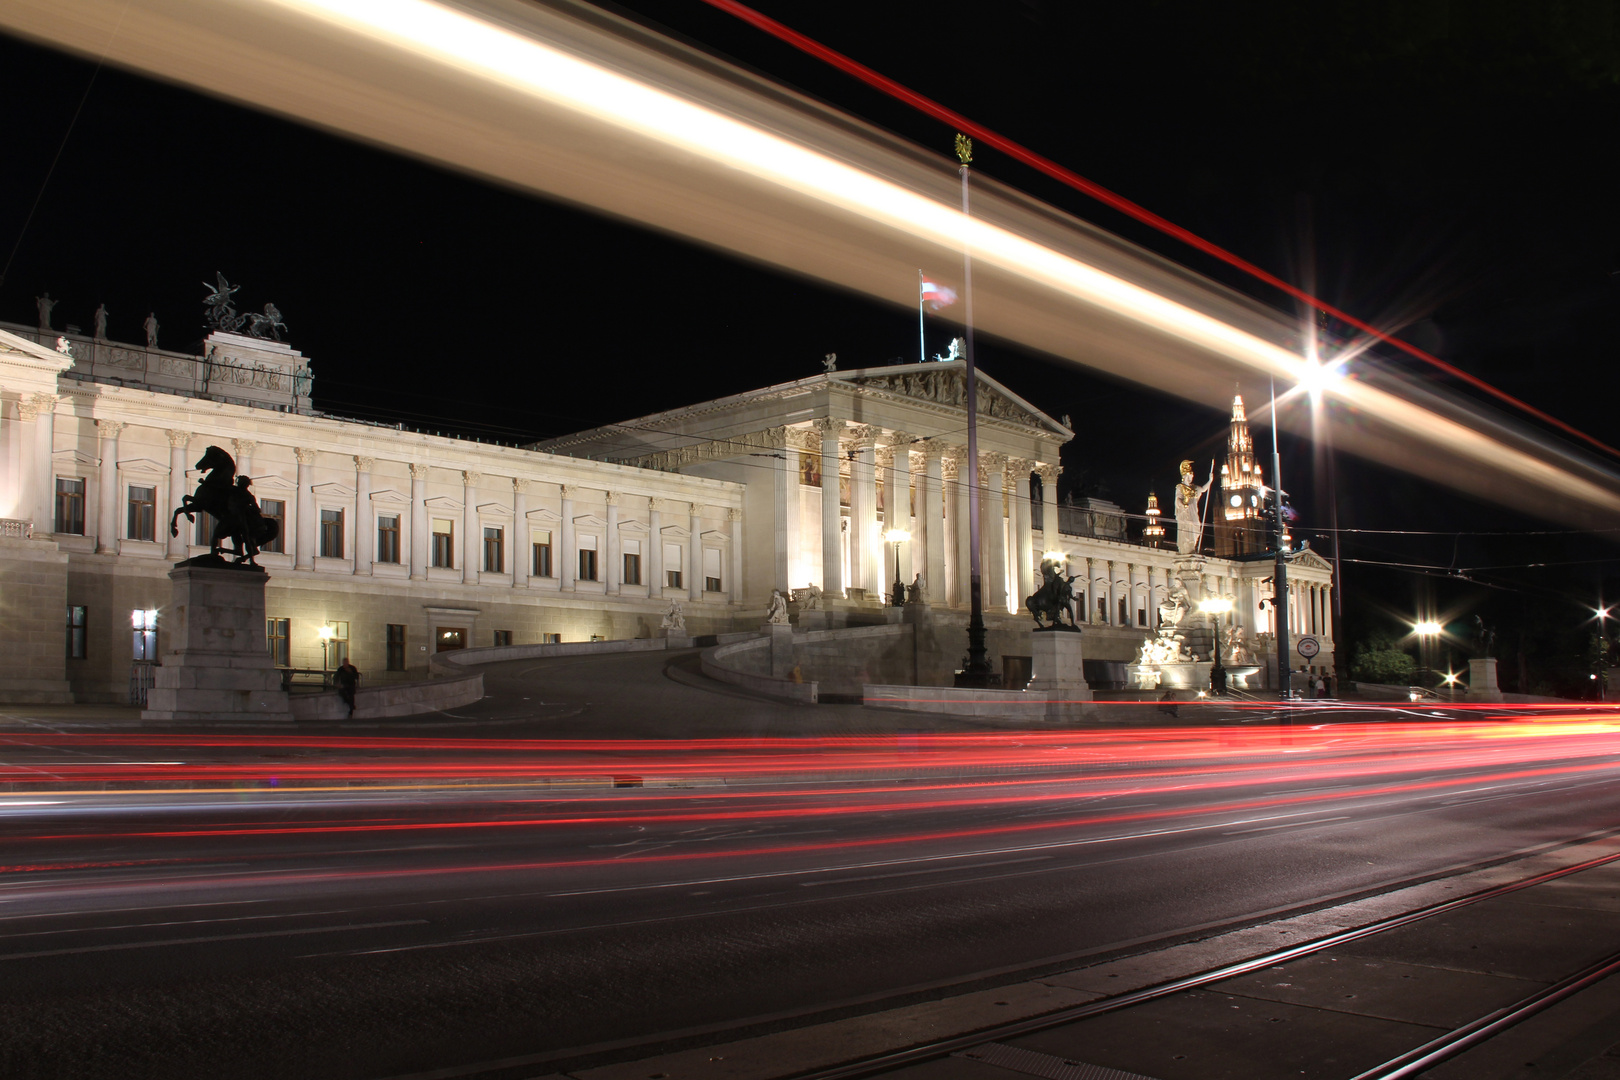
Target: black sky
1443, 167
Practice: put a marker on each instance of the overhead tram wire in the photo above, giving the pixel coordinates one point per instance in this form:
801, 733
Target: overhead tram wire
1072, 179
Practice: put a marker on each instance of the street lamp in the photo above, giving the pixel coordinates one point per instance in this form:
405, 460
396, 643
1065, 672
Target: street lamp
897, 537
1427, 631
1216, 607
326, 634
1602, 616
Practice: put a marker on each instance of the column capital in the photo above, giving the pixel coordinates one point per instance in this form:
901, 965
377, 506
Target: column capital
950, 465
244, 447
824, 424
899, 439
734, 514
1049, 473
885, 457
566, 491
178, 439
110, 429
470, 478
45, 402
866, 436
656, 505
520, 484
418, 471
611, 498
1018, 470
363, 463
917, 460
304, 455
694, 510
27, 411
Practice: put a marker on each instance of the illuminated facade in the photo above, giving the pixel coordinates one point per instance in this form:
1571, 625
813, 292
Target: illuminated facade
397, 543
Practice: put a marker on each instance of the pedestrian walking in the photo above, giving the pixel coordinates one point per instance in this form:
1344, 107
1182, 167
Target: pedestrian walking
348, 681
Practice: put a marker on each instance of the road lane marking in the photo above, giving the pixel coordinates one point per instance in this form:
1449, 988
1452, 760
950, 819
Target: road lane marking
914, 873
125, 945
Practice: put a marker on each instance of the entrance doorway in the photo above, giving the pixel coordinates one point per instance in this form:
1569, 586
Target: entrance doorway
449, 637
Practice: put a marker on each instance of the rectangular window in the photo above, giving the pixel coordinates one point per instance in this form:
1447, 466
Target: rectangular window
632, 568
77, 623
279, 640
444, 543
396, 646
450, 637
502, 637
274, 510
205, 528
70, 505
587, 566
145, 644
142, 513
1124, 619
1141, 616
711, 569
551, 639
495, 550
331, 534
672, 579
541, 565
672, 566
335, 643
388, 539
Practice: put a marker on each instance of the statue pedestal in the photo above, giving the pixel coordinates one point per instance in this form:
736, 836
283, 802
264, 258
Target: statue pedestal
1055, 664
1190, 572
781, 635
1482, 680
218, 666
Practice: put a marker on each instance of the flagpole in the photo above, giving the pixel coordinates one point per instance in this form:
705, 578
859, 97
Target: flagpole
922, 345
978, 672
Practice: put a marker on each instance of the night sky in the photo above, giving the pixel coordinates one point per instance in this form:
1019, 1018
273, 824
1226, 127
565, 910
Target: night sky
1436, 167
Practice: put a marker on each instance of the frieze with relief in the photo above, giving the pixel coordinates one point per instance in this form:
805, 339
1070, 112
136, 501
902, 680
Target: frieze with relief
947, 388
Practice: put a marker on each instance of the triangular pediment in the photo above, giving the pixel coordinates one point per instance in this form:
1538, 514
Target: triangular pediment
333, 491
945, 384
543, 516
1312, 560
144, 467
494, 510
391, 497
75, 457
267, 482
444, 504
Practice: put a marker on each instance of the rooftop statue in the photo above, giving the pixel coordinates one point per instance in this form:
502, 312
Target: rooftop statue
267, 325
101, 322
955, 352
1484, 637
44, 304
151, 326
1189, 518
829, 362
219, 310
236, 512
64, 346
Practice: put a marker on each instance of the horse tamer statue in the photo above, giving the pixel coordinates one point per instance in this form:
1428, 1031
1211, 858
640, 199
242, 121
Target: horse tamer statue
1054, 599
236, 512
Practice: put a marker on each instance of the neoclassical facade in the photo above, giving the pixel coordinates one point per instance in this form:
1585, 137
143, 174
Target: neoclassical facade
395, 544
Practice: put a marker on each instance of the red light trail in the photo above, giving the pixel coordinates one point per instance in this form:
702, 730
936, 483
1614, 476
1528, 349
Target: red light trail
1070, 178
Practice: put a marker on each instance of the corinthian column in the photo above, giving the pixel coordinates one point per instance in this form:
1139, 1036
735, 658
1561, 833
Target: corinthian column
521, 550
863, 530
179, 443
1023, 541
108, 489
933, 523
419, 538
992, 472
832, 514
365, 537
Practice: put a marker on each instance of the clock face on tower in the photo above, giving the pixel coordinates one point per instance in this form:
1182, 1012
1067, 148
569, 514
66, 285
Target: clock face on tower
1237, 500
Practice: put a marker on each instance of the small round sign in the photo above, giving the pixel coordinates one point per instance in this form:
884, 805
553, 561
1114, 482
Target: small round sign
1308, 647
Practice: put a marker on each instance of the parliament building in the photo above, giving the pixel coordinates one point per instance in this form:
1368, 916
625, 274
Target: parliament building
395, 544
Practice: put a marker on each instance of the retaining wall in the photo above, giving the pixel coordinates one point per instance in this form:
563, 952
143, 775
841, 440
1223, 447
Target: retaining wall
400, 699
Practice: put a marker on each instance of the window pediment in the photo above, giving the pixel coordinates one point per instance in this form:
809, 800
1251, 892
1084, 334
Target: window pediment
443, 504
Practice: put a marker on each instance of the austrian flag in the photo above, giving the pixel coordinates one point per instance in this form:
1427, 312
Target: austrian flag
936, 295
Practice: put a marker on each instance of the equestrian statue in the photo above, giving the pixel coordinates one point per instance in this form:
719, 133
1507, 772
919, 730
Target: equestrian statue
236, 512
1054, 599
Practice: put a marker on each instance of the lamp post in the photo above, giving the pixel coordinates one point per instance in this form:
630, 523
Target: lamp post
1602, 616
326, 633
897, 537
1279, 576
1215, 608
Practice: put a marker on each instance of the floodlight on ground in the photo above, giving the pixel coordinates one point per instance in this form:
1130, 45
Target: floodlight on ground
1215, 605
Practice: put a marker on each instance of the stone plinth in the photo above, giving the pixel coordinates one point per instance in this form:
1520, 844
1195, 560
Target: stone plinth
1482, 680
781, 635
1055, 664
217, 666
1181, 676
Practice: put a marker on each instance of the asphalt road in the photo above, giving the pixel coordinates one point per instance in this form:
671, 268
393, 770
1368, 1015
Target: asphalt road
446, 905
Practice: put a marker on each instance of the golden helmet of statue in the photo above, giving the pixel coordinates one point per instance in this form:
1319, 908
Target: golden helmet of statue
1186, 466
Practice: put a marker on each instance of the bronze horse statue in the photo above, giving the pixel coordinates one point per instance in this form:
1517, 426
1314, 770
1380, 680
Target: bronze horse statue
1054, 599
236, 512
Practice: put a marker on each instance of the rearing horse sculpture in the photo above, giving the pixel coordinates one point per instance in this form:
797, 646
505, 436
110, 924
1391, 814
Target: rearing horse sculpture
236, 512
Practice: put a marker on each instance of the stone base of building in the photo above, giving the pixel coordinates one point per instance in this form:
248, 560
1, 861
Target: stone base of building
33, 597
219, 669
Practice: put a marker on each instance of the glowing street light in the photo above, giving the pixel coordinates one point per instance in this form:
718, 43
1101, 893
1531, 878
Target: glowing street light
1427, 628
897, 537
326, 633
1216, 606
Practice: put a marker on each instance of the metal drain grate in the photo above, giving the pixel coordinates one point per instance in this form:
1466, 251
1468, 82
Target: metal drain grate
1035, 1063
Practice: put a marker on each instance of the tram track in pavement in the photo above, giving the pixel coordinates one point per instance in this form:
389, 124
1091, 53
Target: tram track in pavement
963, 1046
1006, 1051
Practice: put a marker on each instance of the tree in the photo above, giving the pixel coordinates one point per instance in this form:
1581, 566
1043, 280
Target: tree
1379, 660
